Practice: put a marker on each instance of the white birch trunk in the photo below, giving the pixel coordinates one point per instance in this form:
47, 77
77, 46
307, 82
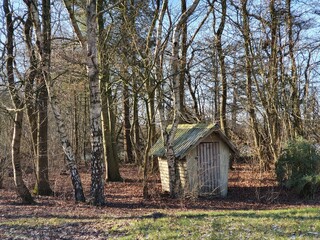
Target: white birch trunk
97, 182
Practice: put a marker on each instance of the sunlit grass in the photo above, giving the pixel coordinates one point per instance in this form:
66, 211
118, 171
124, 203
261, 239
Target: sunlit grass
301, 223
273, 224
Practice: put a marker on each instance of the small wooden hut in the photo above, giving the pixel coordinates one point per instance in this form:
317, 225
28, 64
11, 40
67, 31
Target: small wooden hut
203, 153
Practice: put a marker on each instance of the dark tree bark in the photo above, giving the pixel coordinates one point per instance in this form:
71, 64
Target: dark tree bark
43, 42
43, 185
29, 84
109, 132
224, 85
43, 161
126, 123
272, 102
296, 113
111, 158
249, 66
183, 63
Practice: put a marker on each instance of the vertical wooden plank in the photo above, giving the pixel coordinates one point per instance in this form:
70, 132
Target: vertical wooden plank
215, 164
198, 167
208, 167
219, 161
211, 168
207, 172
203, 173
214, 167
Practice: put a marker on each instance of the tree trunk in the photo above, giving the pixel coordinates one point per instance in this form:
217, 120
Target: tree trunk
183, 63
250, 104
218, 43
30, 97
21, 188
146, 156
76, 124
126, 123
216, 87
108, 117
296, 114
43, 185
43, 42
272, 102
75, 177
174, 178
97, 182
68, 151
109, 139
135, 128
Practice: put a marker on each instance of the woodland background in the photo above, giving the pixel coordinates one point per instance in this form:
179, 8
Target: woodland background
105, 78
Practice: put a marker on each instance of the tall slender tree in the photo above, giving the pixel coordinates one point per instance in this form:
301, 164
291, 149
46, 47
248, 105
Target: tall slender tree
223, 74
89, 48
21, 188
111, 158
295, 99
43, 44
168, 136
249, 65
97, 181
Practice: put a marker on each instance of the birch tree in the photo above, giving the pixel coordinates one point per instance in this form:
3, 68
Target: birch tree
44, 51
97, 182
89, 48
168, 135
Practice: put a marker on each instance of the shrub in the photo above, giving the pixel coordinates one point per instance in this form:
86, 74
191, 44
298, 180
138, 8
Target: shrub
298, 167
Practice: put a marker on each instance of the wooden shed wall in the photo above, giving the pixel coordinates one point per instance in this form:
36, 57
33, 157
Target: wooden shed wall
164, 173
224, 168
189, 173
224, 155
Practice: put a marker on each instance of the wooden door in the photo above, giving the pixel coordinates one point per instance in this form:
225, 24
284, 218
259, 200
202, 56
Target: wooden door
208, 167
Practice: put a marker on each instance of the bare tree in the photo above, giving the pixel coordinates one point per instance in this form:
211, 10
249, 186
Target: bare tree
44, 51
43, 42
21, 188
221, 57
296, 114
111, 158
97, 181
168, 136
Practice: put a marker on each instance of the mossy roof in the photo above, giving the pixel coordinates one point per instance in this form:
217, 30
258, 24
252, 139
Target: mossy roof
187, 137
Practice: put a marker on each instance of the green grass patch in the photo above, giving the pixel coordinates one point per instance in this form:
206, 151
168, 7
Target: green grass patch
274, 224
301, 223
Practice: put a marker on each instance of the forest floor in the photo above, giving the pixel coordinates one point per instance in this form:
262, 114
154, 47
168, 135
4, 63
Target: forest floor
248, 189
